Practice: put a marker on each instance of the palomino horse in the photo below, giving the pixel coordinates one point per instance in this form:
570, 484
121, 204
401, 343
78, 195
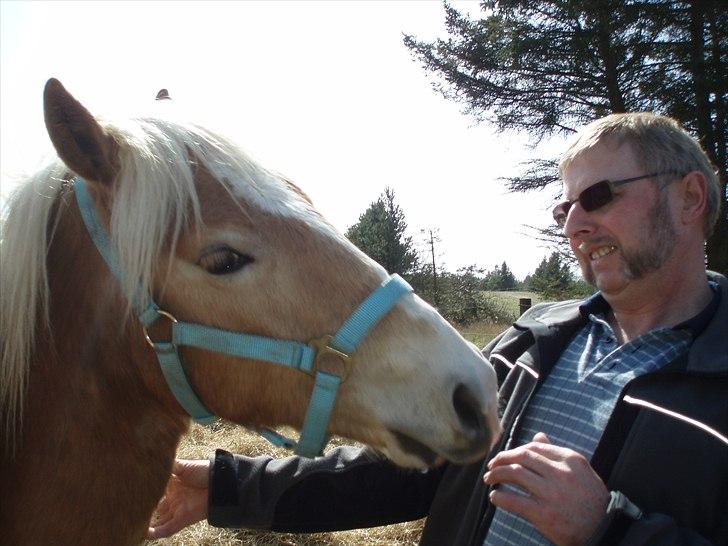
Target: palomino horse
89, 424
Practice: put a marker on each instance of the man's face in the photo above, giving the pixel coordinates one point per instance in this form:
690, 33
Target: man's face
626, 239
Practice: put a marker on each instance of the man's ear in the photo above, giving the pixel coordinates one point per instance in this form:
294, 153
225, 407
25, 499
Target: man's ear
80, 141
693, 193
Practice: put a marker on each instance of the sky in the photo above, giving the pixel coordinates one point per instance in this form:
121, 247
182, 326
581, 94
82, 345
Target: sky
325, 93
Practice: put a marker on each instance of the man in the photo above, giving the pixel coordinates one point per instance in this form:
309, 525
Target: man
614, 409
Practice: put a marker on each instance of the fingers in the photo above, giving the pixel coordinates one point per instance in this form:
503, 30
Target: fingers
184, 501
183, 467
537, 467
513, 502
538, 458
565, 497
193, 473
534, 454
163, 508
563, 458
179, 466
159, 526
525, 456
515, 474
164, 529
172, 517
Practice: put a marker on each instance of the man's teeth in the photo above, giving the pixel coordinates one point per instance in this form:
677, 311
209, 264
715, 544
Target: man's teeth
603, 251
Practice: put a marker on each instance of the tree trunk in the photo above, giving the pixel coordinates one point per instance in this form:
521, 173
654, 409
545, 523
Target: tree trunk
717, 246
715, 145
611, 76
700, 78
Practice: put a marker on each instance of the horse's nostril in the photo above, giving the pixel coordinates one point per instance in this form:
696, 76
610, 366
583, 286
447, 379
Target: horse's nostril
467, 408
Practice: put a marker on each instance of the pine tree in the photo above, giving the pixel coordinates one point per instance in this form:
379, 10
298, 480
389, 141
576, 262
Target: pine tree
551, 66
500, 278
552, 279
381, 234
508, 279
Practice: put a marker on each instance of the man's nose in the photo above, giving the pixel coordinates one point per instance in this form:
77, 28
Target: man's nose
579, 223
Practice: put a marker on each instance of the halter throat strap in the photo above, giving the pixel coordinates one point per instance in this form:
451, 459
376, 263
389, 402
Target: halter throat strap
327, 359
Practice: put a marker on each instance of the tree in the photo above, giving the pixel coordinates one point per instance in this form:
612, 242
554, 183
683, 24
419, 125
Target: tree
492, 280
464, 302
552, 278
550, 66
501, 278
380, 233
508, 279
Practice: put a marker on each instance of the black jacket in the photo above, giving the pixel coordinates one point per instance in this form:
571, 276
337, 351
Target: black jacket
674, 472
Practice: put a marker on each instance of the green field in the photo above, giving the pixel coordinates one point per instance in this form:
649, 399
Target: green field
511, 298
480, 333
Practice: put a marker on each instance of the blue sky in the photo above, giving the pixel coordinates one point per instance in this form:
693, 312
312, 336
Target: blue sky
323, 92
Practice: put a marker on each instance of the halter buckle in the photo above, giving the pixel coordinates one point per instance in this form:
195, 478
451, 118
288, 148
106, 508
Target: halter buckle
328, 359
146, 333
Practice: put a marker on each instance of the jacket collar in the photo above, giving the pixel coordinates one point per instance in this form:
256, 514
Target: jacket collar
709, 352
551, 327
540, 336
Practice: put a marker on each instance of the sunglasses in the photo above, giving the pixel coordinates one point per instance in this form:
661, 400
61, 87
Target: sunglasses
595, 196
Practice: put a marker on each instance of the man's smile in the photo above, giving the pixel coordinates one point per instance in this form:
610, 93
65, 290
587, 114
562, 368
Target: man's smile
598, 252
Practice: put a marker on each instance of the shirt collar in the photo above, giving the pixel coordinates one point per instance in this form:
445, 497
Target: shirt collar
698, 323
594, 305
597, 305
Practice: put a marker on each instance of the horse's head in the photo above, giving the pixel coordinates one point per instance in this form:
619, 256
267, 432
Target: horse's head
219, 241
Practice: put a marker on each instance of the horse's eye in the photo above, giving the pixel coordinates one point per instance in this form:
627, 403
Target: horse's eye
223, 261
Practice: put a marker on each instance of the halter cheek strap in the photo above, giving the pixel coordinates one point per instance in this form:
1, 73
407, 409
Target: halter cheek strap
327, 359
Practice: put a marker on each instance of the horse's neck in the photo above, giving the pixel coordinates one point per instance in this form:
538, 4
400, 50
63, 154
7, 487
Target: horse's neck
96, 451
98, 438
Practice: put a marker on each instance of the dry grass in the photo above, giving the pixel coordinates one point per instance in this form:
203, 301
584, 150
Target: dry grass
480, 333
200, 442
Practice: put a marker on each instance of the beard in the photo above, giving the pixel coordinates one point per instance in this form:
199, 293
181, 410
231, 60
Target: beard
653, 251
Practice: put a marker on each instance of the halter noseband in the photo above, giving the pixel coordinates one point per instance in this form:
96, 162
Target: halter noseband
307, 358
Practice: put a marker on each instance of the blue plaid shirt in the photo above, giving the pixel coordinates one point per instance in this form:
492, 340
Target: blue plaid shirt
576, 399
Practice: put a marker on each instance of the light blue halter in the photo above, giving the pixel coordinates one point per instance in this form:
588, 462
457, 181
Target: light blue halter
307, 358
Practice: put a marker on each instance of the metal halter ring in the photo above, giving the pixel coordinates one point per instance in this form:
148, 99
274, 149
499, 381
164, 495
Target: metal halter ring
324, 349
161, 313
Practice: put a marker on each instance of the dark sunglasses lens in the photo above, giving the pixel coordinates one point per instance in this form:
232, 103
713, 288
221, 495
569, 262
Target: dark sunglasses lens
595, 196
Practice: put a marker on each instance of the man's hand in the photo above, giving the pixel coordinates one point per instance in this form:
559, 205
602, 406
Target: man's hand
184, 501
567, 499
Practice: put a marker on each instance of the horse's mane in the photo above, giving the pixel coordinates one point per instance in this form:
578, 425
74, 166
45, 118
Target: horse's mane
154, 200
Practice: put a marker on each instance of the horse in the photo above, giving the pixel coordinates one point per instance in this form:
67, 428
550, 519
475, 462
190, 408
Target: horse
220, 244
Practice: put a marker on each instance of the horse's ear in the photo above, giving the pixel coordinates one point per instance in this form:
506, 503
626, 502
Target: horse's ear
80, 141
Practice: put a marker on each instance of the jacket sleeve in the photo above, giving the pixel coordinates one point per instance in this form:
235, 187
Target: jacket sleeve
626, 525
347, 488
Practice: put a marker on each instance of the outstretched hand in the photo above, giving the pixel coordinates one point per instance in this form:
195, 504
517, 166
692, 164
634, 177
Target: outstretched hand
184, 501
567, 499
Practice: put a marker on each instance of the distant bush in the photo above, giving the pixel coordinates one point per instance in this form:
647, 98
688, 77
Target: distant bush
460, 297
